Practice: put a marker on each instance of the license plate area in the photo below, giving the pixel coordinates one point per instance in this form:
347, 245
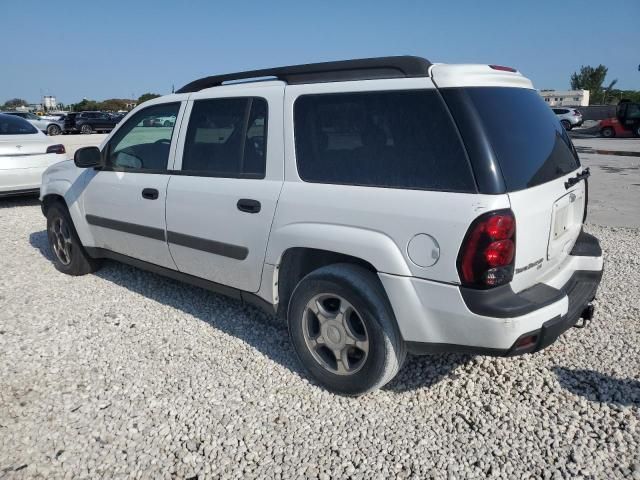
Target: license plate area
566, 221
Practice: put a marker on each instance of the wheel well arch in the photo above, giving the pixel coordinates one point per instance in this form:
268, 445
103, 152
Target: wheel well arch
298, 262
50, 199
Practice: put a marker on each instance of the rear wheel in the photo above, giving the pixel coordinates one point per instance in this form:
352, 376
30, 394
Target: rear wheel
54, 130
608, 132
86, 129
566, 124
69, 256
344, 331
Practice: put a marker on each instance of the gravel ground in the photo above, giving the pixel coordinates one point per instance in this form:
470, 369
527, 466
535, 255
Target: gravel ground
125, 374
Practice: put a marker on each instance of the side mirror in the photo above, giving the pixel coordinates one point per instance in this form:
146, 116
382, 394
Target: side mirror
87, 157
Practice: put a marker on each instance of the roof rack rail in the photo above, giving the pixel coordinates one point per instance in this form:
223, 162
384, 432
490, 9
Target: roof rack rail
359, 69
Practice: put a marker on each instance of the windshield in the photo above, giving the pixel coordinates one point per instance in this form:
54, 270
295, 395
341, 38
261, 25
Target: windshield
529, 142
12, 125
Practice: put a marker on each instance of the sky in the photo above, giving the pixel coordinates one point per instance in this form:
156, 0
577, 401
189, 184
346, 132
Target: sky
122, 49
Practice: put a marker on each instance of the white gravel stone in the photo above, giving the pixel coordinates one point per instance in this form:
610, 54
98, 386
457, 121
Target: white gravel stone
125, 374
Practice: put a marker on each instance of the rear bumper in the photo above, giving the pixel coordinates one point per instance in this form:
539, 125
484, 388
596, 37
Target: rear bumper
436, 317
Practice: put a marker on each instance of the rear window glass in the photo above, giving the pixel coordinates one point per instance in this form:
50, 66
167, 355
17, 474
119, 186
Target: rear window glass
529, 142
397, 139
13, 125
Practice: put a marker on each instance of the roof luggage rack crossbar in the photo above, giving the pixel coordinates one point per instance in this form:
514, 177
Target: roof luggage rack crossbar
360, 69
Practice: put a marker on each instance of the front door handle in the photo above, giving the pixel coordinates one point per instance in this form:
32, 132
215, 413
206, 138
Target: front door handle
248, 205
150, 193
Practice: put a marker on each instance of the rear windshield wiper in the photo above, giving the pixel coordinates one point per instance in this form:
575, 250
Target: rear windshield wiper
581, 176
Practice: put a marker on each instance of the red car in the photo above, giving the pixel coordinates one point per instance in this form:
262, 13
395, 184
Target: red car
626, 123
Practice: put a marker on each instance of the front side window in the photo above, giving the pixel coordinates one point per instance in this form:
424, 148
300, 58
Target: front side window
226, 137
394, 139
136, 147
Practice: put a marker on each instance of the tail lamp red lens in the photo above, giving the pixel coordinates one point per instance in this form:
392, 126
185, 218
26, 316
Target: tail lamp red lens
487, 255
56, 149
499, 253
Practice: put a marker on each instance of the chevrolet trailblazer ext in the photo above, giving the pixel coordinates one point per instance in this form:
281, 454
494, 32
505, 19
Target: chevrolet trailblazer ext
381, 206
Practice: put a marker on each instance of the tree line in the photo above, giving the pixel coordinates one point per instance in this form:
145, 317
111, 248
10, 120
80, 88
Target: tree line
109, 105
588, 78
600, 93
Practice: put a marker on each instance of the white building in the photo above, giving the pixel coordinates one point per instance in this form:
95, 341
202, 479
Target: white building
566, 98
49, 102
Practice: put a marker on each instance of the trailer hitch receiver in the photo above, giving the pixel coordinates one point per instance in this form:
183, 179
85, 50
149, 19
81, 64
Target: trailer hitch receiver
585, 316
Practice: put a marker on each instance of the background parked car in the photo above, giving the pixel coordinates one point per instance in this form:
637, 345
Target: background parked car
625, 123
25, 153
117, 116
569, 117
165, 121
88, 122
48, 125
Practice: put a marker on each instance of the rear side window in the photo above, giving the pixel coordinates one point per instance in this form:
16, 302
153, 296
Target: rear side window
13, 125
396, 139
529, 142
226, 137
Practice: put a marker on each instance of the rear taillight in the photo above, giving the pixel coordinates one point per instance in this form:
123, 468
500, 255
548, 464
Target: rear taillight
487, 255
56, 149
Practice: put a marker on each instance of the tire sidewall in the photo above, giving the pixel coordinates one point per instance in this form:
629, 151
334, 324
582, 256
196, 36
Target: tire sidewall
373, 313
78, 261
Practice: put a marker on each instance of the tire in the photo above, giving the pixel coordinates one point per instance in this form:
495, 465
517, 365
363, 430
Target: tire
53, 129
167, 123
636, 131
608, 132
69, 256
86, 129
566, 124
371, 348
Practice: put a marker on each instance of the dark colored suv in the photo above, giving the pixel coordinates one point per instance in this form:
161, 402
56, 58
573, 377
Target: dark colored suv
88, 122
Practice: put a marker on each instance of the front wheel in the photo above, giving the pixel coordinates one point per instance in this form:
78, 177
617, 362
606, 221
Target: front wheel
608, 132
69, 256
566, 124
86, 129
636, 131
53, 130
344, 331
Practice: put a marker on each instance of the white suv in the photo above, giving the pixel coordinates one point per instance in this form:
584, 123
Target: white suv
380, 206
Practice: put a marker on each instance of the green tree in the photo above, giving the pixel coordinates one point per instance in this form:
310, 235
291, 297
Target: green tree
592, 78
14, 103
113, 104
615, 95
85, 105
147, 96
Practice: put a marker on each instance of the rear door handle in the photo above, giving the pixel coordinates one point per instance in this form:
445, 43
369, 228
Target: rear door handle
248, 205
150, 193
